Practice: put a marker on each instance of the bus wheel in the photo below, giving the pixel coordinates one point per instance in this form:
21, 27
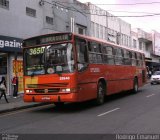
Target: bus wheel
100, 93
135, 85
59, 104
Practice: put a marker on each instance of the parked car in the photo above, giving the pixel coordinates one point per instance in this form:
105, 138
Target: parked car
155, 78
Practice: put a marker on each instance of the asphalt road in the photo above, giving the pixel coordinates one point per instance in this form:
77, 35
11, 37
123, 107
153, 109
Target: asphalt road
124, 113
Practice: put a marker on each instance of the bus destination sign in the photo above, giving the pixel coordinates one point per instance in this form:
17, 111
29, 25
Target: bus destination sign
57, 38
47, 39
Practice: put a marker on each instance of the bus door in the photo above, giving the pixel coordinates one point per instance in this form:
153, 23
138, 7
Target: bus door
83, 78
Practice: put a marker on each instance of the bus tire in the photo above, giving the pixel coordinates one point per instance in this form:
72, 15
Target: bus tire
135, 85
59, 104
100, 94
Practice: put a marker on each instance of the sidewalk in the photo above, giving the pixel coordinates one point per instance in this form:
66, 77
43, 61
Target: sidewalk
15, 104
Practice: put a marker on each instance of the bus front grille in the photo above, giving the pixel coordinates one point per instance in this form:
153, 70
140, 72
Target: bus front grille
47, 85
53, 90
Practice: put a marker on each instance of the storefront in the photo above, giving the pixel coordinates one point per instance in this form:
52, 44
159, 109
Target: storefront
11, 61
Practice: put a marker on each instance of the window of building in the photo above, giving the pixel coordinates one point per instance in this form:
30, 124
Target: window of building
129, 39
92, 29
30, 12
49, 20
147, 48
81, 29
134, 43
140, 45
125, 40
104, 32
4, 4
97, 30
101, 32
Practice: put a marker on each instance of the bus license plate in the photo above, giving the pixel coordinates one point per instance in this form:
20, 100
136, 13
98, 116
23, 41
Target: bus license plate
46, 98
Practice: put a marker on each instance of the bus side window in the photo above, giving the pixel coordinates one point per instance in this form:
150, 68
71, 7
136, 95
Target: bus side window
82, 56
143, 60
134, 63
127, 57
140, 59
108, 55
95, 53
119, 57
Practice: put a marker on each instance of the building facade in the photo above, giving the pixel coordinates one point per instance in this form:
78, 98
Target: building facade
109, 27
149, 44
155, 65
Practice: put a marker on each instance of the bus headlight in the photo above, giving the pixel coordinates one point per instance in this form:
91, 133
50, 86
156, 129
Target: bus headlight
68, 90
28, 91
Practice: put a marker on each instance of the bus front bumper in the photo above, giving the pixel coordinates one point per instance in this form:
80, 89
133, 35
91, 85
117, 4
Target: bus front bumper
69, 97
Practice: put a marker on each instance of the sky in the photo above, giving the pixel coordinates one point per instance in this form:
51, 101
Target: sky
147, 23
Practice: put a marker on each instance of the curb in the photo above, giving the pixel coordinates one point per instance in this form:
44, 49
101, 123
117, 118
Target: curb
22, 107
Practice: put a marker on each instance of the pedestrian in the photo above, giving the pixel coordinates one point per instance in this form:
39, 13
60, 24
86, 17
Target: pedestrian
3, 88
150, 73
15, 86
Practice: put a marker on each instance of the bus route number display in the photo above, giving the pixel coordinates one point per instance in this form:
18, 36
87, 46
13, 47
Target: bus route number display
36, 51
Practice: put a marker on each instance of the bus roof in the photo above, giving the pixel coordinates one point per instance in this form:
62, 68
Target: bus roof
88, 38
106, 42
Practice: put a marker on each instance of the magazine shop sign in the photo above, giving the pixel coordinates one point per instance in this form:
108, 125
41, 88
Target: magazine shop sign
10, 44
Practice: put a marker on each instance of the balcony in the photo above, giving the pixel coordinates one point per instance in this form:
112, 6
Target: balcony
144, 36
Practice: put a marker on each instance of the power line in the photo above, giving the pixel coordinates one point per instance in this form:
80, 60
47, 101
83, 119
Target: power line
76, 10
140, 3
149, 15
132, 3
120, 11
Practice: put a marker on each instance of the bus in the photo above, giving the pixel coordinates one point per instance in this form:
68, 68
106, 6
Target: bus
68, 67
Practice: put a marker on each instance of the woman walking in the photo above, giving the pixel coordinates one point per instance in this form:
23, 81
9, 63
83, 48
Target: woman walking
3, 88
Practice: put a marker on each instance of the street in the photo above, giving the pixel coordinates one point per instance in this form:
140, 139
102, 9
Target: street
122, 113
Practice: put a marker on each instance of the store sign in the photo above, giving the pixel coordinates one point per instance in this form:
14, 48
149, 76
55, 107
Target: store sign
18, 70
17, 66
10, 44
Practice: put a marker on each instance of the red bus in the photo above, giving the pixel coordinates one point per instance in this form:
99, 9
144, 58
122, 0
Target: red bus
67, 67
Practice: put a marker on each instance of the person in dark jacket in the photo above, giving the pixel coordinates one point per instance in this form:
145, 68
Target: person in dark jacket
3, 90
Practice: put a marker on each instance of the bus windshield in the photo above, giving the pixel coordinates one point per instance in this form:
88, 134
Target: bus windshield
57, 58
